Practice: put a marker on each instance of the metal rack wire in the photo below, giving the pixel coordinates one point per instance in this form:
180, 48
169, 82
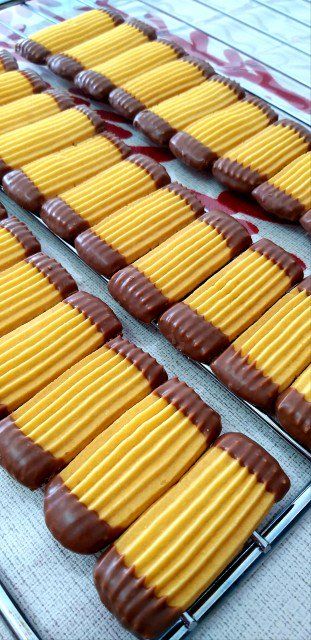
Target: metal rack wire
260, 544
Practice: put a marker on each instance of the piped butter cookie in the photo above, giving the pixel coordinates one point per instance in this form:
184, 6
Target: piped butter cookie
129, 466
47, 432
206, 322
103, 78
66, 34
175, 550
18, 84
163, 120
50, 175
36, 353
161, 83
267, 357
131, 232
106, 192
33, 108
259, 158
293, 408
16, 242
29, 288
174, 268
101, 48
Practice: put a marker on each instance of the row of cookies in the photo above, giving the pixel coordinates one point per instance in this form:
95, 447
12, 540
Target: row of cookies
130, 453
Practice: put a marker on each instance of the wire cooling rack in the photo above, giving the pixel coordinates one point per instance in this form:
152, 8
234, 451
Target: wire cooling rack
261, 542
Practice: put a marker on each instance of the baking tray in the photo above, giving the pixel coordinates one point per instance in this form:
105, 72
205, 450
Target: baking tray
261, 543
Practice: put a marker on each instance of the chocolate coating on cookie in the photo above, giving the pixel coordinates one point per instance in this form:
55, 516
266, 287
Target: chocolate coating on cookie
127, 596
245, 380
186, 194
25, 460
22, 190
63, 65
98, 254
305, 221
191, 151
302, 131
186, 400
236, 236
280, 257
257, 460
191, 334
21, 232
124, 103
55, 273
61, 218
137, 294
37, 83
305, 285
94, 84
145, 28
3, 212
32, 51
156, 170
8, 62
97, 312
96, 120
149, 367
74, 525
235, 176
63, 99
278, 202
294, 413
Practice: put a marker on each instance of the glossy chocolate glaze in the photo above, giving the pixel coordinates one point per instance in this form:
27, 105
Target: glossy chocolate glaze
186, 400
3, 212
63, 65
97, 312
191, 334
21, 232
74, 525
22, 190
25, 460
278, 202
97, 121
62, 219
37, 83
294, 414
280, 257
235, 235
137, 294
159, 130
149, 367
32, 51
98, 254
55, 273
188, 196
245, 380
9, 63
156, 170
124, 103
257, 461
63, 99
305, 221
299, 128
305, 285
191, 152
235, 176
127, 596
145, 28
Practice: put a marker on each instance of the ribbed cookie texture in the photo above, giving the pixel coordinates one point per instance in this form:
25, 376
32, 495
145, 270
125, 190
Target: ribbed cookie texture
29, 288
33, 108
7, 61
294, 408
67, 34
131, 232
207, 321
163, 120
174, 268
101, 48
252, 162
161, 83
175, 550
50, 134
129, 466
210, 137
93, 200
17, 84
267, 357
16, 242
50, 175
103, 78
287, 194
43, 435
33, 355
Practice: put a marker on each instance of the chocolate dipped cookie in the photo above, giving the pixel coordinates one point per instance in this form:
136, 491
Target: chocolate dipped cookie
18, 84
207, 321
16, 242
7, 61
293, 408
177, 548
170, 271
33, 108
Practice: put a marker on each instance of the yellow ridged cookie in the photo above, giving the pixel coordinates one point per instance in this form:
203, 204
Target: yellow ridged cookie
31, 287
108, 191
16, 242
17, 84
36, 353
175, 550
209, 319
63, 418
50, 175
132, 231
129, 466
262, 156
33, 108
267, 357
